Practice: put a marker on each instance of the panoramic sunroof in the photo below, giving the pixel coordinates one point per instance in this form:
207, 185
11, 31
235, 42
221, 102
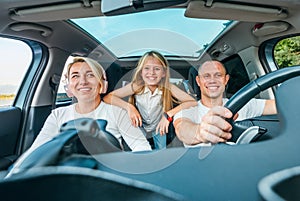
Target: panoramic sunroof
165, 30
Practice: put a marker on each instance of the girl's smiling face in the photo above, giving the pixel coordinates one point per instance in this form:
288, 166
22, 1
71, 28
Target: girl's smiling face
152, 71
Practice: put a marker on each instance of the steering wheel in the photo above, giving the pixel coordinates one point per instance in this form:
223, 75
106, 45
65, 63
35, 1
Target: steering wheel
82, 136
92, 138
249, 91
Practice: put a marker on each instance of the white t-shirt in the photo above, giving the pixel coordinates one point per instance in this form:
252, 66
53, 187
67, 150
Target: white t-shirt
253, 108
117, 119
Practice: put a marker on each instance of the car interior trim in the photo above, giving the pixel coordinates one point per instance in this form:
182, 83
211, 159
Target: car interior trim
45, 31
57, 12
234, 11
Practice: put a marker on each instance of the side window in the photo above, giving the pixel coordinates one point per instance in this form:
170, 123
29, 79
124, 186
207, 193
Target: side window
61, 97
287, 52
16, 57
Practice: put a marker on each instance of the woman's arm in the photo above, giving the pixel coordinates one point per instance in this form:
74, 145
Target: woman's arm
115, 98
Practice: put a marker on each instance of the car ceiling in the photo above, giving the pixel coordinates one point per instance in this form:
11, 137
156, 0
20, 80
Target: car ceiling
35, 19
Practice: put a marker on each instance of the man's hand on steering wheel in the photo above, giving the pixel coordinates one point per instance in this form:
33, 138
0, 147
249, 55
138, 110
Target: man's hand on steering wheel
214, 128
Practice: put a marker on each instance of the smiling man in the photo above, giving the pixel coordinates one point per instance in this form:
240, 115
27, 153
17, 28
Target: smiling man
205, 122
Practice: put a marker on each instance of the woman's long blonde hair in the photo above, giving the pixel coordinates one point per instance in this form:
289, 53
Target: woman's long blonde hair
164, 84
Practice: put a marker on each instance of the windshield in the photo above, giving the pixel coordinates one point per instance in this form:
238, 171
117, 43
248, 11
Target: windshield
166, 30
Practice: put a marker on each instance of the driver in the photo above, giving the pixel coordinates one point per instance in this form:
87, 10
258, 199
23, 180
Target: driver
205, 123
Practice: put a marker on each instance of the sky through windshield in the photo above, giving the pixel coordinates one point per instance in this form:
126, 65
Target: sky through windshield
133, 34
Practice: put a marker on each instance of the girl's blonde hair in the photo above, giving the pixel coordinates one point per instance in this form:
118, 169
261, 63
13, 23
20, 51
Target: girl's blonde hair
163, 85
97, 69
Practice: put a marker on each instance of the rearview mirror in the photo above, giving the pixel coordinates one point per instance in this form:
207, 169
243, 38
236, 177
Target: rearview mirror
119, 7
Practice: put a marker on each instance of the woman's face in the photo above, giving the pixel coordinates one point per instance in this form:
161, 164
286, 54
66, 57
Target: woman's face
83, 83
152, 71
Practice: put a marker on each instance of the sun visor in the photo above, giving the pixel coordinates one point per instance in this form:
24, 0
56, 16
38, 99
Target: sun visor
234, 11
57, 12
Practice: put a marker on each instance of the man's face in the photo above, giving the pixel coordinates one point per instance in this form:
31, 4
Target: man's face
212, 80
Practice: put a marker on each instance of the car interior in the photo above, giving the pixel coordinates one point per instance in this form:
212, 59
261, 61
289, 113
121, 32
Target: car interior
245, 49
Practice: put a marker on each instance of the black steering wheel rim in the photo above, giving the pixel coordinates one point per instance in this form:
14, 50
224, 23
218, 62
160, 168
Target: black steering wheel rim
249, 91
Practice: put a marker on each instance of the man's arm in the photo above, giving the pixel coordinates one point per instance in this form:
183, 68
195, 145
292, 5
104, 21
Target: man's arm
186, 131
270, 107
213, 127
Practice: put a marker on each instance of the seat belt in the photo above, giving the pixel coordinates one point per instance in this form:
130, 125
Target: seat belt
54, 84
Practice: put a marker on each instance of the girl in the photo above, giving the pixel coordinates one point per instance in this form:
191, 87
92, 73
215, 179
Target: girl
151, 97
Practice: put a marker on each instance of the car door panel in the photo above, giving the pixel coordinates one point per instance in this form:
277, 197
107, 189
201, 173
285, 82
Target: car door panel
10, 120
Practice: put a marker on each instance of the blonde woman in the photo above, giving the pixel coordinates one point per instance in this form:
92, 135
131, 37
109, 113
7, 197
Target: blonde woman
151, 97
86, 80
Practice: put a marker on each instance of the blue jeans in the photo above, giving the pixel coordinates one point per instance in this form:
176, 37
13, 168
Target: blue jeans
160, 141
